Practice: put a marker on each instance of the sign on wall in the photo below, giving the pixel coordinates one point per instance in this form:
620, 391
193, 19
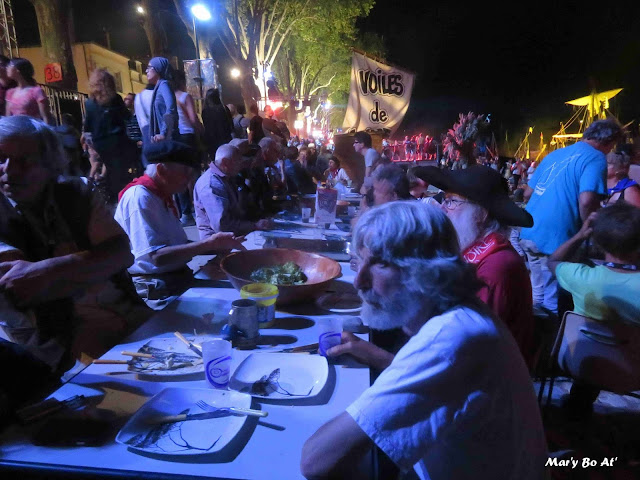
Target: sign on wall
52, 73
379, 96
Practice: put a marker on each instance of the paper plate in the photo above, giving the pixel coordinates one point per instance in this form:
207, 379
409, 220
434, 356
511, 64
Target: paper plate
284, 375
195, 437
340, 302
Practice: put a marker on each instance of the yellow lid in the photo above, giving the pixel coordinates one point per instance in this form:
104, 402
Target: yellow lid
259, 290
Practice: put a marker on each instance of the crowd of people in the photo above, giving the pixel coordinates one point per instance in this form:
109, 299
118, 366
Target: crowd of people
435, 250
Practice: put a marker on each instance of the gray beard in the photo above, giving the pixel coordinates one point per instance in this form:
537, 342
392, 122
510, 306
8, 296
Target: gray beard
468, 233
388, 313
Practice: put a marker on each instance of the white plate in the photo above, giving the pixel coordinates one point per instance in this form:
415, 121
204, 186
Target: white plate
340, 302
194, 437
172, 344
300, 375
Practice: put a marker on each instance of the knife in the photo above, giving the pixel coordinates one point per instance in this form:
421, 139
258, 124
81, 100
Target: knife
191, 346
221, 412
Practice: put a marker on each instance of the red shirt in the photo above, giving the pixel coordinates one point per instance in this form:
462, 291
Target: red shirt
508, 294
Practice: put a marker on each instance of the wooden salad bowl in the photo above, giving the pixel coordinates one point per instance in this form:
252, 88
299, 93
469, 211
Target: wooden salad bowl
320, 271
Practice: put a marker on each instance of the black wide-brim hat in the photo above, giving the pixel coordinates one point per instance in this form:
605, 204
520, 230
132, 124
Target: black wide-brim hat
481, 185
172, 151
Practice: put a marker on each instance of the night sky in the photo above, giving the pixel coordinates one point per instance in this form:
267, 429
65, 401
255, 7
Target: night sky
519, 63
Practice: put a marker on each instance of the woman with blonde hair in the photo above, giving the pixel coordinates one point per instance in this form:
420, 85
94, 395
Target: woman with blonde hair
105, 131
27, 97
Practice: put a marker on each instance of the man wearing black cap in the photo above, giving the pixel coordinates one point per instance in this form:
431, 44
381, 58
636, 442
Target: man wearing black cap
477, 203
148, 215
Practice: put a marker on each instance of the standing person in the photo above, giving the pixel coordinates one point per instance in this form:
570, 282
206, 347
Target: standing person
217, 122
457, 401
27, 97
190, 129
256, 132
133, 128
142, 107
362, 144
163, 116
566, 187
105, 130
240, 122
5, 83
519, 170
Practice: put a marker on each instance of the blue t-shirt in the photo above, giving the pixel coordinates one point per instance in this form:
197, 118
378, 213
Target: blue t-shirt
557, 184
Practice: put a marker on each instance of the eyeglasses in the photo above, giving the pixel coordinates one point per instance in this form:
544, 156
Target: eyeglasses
453, 203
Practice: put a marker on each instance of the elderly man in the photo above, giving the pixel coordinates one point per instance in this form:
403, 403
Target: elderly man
390, 183
457, 401
477, 203
566, 187
147, 214
64, 290
218, 198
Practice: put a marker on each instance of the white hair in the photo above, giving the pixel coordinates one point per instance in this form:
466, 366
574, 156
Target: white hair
52, 154
226, 151
421, 241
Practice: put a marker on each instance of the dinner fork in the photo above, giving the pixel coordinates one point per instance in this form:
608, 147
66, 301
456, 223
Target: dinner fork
240, 411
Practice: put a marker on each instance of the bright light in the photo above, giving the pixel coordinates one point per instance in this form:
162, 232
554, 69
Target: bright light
235, 73
317, 134
201, 12
327, 105
140, 10
298, 124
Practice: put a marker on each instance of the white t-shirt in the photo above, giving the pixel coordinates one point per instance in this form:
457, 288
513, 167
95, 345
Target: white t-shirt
371, 156
150, 226
142, 107
457, 402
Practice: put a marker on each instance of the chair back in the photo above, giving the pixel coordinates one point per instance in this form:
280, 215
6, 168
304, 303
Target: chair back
603, 354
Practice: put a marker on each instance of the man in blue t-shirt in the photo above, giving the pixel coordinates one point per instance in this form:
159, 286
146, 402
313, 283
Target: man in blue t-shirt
565, 188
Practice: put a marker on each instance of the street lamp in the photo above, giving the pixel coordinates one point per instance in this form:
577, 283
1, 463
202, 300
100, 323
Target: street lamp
202, 13
235, 73
140, 10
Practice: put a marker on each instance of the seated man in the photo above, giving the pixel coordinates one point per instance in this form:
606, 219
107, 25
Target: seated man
64, 290
147, 214
218, 198
477, 203
299, 180
457, 401
390, 183
608, 292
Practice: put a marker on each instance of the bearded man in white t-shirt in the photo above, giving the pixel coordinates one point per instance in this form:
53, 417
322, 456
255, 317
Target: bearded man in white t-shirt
456, 402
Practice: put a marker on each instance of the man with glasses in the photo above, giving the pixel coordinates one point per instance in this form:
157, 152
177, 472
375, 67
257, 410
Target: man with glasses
362, 145
477, 203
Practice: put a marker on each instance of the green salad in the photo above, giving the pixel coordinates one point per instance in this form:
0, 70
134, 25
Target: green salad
287, 274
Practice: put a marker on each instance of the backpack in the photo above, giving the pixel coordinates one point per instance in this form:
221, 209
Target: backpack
238, 131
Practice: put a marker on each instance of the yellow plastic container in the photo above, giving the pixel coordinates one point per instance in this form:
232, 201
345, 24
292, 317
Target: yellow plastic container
265, 295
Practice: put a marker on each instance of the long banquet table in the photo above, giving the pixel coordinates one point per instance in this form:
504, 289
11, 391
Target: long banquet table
264, 449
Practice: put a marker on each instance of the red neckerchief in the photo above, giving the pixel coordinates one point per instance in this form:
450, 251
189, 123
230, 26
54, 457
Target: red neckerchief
148, 182
485, 247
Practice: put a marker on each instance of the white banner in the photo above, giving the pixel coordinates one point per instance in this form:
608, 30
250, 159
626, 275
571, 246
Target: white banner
379, 95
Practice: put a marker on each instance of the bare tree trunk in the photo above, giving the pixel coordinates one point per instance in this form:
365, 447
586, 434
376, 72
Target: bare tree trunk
53, 25
154, 30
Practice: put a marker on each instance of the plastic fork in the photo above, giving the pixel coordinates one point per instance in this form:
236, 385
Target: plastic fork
238, 411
